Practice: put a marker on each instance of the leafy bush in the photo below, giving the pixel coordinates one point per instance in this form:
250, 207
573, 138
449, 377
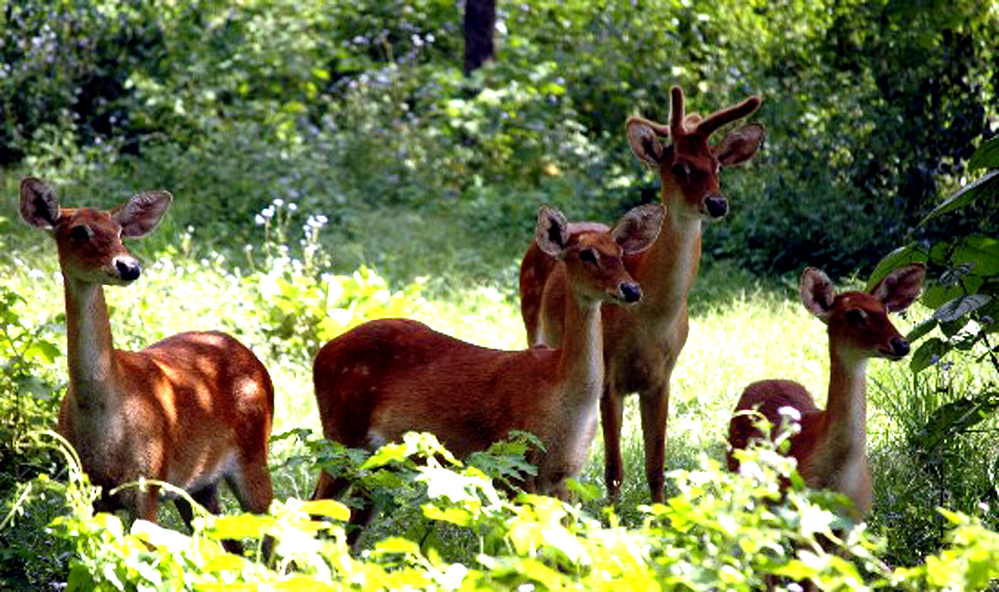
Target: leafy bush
950, 432
721, 530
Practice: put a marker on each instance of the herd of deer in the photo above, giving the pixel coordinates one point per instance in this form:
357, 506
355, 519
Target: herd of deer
196, 408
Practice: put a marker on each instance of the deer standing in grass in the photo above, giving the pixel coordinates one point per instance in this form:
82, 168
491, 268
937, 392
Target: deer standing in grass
190, 410
642, 343
831, 448
387, 377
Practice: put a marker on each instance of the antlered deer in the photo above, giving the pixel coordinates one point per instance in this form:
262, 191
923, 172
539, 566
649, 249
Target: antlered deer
388, 377
642, 343
190, 410
831, 448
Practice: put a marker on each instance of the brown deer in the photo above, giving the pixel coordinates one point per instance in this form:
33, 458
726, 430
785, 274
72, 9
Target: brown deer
831, 448
642, 343
190, 410
387, 377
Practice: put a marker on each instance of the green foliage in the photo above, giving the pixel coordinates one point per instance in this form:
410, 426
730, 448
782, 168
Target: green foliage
722, 529
951, 440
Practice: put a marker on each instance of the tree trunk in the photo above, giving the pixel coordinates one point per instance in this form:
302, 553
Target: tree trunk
480, 22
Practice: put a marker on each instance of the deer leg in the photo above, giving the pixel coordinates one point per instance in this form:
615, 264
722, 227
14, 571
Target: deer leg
251, 484
655, 412
207, 496
611, 413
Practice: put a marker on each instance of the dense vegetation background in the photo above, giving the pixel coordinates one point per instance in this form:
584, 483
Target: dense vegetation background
306, 140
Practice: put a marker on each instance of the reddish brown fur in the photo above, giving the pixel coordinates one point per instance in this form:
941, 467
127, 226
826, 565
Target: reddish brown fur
642, 343
831, 446
388, 377
190, 410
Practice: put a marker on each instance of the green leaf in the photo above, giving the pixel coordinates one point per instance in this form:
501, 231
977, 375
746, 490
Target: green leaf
986, 157
923, 328
927, 354
910, 253
987, 185
397, 545
241, 526
330, 508
980, 252
961, 306
957, 417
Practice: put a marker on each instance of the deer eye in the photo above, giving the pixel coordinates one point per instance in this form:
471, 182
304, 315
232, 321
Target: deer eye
856, 316
680, 170
80, 234
588, 255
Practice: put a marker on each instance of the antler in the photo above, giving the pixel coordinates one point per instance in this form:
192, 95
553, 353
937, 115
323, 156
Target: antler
714, 121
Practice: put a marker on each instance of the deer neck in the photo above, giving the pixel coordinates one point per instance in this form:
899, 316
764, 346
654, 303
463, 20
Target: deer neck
581, 362
90, 350
846, 406
667, 270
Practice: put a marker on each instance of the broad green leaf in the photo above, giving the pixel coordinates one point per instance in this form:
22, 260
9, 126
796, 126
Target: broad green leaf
986, 157
937, 295
329, 508
452, 515
987, 185
961, 306
910, 253
980, 252
920, 330
397, 545
241, 526
928, 353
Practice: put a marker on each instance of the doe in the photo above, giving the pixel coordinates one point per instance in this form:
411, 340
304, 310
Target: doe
388, 377
831, 448
190, 410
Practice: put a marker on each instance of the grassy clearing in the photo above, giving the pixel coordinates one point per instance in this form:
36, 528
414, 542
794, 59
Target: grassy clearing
742, 329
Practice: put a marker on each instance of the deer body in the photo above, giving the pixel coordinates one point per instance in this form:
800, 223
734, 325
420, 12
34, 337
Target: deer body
831, 447
191, 410
642, 344
388, 377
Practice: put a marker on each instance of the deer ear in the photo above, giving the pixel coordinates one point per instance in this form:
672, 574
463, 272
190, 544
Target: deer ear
142, 213
900, 288
39, 204
644, 141
739, 145
639, 228
552, 231
817, 293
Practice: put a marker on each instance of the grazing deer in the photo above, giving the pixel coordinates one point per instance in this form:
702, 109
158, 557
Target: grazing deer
190, 410
387, 377
642, 343
831, 448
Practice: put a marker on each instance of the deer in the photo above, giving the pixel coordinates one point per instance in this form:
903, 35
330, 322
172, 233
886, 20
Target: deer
191, 410
642, 343
831, 446
391, 376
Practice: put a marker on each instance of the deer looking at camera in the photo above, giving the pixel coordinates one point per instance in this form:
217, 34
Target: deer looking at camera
642, 343
387, 377
831, 448
190, 410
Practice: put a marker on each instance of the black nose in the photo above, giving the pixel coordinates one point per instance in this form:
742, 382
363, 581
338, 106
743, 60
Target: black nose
899, 346
717, 206
128, 269
632, 292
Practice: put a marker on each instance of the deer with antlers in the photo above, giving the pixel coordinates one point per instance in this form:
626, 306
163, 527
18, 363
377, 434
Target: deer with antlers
642, 343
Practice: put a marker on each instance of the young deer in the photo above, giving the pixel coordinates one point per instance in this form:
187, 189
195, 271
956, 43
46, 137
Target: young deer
642, 343
190, 410
388, 377
831, 448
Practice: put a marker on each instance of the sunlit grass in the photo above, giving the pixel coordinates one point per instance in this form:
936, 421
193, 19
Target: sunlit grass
741, 330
